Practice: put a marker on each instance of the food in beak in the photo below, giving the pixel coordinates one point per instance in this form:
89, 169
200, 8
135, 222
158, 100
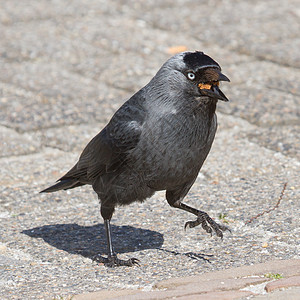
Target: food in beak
204, 86
212, 90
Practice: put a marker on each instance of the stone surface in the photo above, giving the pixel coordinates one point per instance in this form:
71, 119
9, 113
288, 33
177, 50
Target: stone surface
105, 295
66, 66
285, 268
14, 143
290, 294
236, 283
283, 283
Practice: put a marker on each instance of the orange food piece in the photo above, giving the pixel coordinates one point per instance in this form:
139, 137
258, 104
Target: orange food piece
204, 86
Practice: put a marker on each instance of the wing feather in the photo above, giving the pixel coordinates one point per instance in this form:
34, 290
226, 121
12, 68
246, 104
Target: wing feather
110, 148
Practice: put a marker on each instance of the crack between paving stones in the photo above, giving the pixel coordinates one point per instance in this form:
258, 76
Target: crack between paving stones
261, 58
293, 122
43, 151
60, 18
282, 90
35, 130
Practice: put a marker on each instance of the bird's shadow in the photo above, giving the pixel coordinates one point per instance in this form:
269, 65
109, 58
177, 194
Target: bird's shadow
191, 255
90, 241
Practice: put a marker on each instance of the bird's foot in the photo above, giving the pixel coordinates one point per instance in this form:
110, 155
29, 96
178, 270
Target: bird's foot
208, 224
113, 261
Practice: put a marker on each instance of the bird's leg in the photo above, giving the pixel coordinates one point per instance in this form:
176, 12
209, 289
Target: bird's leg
108, 238
112, 259
207, 223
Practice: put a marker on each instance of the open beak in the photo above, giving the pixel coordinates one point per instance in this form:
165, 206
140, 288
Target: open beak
212, 89
217, 93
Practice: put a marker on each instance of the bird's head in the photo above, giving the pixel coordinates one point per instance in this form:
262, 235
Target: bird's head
193, 73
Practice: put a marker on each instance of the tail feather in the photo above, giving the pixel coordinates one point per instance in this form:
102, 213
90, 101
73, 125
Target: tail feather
64, 184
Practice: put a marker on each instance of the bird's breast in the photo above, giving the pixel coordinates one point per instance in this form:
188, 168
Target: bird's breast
172, 149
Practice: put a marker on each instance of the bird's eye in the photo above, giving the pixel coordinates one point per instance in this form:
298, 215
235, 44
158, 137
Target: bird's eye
191, 75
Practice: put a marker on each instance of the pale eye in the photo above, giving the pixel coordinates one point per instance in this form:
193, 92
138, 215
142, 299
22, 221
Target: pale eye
191, 75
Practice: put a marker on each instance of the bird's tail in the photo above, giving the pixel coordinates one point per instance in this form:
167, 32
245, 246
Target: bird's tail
64, 184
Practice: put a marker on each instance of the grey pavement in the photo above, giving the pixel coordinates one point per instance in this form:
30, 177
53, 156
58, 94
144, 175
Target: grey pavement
66, 66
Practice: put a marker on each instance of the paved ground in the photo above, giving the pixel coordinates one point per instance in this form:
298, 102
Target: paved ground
66, 66
282, 281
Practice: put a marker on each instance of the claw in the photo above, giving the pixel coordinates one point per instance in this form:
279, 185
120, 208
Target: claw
132, 262
187, 224
191, 224
135, 261
206, 228
208, 224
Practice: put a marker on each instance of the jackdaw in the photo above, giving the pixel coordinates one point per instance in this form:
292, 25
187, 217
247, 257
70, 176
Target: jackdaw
157, 140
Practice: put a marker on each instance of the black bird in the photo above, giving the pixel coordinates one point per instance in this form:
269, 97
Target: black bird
157, 140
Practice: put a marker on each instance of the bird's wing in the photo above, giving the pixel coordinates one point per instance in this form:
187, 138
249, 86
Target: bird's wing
109, 149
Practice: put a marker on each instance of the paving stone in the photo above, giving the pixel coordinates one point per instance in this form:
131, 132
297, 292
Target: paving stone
219, 24
51, 42
27, 110
291, 294
287, 268
49, 80
279, 53
57, 41
187, 294
71, 139
104, 295
227, 295
261, 106
14, 143
283, 283
280, 139
226, 284
13, 11
26, 170
161, 295
264, 74
205, 288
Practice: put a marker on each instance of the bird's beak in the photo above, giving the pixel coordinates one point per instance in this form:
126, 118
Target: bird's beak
222, 77
217, 93
212, 89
